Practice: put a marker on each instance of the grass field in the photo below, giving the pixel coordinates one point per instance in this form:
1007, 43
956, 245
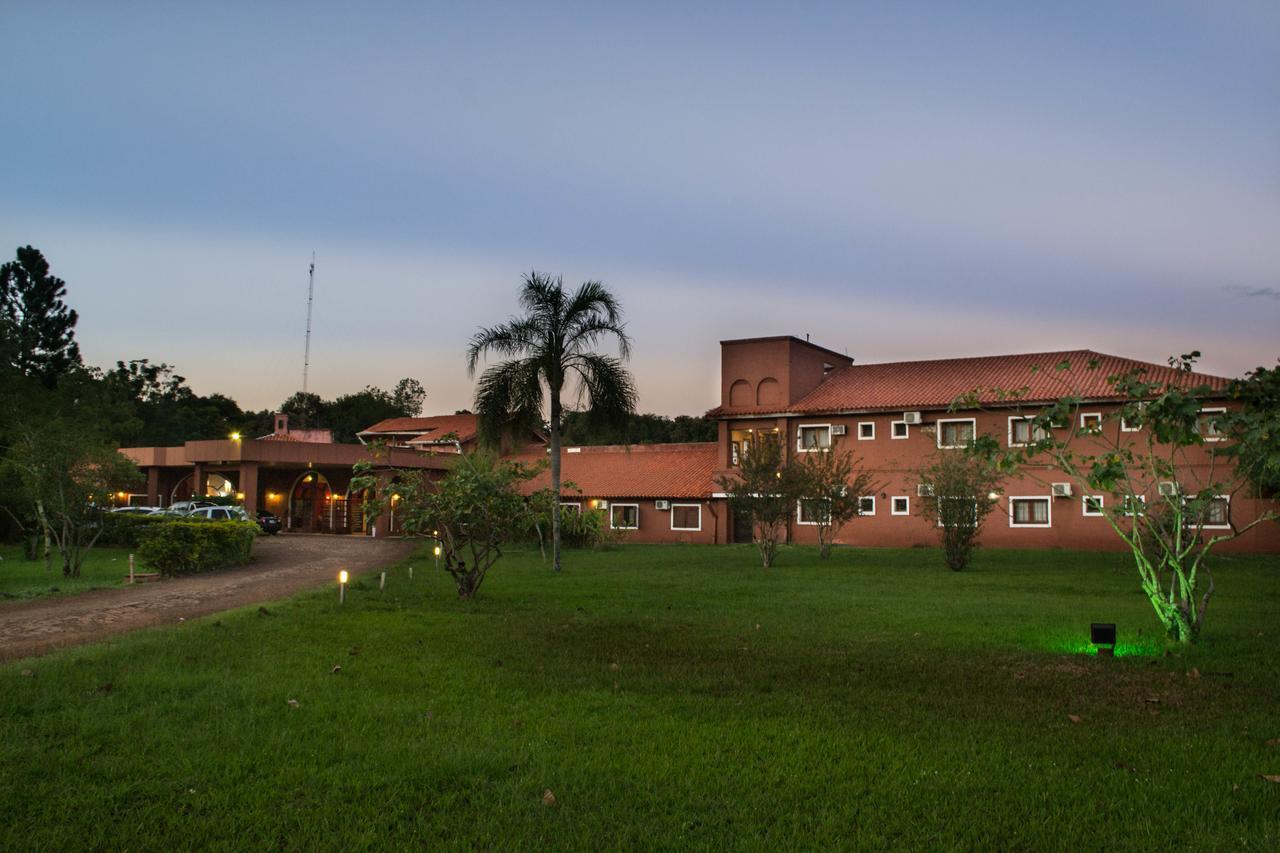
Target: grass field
21, 578
668, 697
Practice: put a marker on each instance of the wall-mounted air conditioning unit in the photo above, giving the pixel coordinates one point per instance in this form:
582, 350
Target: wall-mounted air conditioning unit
1169, 489
838, 429
662, 504
1061, 490
924, 490
913, 418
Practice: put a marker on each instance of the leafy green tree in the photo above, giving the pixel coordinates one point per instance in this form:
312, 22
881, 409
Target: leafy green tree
38, 327
832, 483
960, 487
1255, 428
550, 348
637, 429
408, 397
306, 409
348, 414
764, 489
472, 513
167, 410
1164, 482
60, 455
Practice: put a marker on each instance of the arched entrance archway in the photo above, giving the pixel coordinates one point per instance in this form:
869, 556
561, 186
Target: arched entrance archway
354, 519
218, 487
310, 504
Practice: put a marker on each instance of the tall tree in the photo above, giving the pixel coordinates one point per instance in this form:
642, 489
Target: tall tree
39, 326
59, 463
408, 397
551, 347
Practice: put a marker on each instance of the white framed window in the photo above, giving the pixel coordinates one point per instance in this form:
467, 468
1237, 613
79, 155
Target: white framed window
956, 432
810, 510
1128, 426
1091, 422
1024, 431
1134, 504
1030, 512
1206, 424
966, 519
686, 516
866, 430
1217, 515
867, 505
571, 506
624, 516
810, 437
1091, 505
899, 429
900, 505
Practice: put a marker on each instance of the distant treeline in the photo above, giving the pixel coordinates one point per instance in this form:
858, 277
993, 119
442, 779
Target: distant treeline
638, 429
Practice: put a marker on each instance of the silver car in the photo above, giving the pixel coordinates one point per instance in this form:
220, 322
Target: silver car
219, 513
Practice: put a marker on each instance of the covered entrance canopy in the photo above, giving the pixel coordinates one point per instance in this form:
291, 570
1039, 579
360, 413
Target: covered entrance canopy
307, 484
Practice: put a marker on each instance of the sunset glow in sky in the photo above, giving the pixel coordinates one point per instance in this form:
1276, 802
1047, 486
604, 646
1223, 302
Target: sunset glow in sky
898, 180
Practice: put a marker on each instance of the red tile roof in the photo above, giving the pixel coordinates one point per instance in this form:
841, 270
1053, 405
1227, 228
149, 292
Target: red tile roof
632, 471
907, 385
427, 429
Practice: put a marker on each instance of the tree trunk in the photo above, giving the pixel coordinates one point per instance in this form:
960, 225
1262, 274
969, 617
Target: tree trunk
555, 479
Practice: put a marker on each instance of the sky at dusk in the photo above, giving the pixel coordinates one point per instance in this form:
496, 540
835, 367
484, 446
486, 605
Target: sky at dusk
897, 180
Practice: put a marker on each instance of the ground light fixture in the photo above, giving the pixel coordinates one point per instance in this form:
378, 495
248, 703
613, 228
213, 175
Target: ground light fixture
342, 586
1103, 637
436, 551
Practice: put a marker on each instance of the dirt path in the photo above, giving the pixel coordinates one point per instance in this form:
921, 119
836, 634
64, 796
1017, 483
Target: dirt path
282, 565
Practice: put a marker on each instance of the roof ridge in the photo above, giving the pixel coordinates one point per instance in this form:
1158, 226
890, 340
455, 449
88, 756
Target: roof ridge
640, 447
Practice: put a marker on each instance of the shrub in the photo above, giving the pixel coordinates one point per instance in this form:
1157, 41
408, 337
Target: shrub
582, 529
185, 547
121, 529
958, 502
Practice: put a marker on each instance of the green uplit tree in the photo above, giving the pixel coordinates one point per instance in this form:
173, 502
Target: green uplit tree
1160, 468
551, 349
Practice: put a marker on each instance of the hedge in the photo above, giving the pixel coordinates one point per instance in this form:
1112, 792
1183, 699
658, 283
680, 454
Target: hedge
121, 529
186, 547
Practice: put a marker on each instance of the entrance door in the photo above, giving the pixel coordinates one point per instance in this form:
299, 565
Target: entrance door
309, 508
742, 532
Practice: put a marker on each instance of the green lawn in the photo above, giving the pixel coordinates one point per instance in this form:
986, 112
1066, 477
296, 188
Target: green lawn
668, 697
21, 578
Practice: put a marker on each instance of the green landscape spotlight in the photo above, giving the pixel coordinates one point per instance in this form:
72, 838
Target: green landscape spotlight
1103, 637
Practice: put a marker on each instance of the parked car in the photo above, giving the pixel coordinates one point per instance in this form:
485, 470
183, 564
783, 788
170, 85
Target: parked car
219, 513
269, 523
185, 507
135, 510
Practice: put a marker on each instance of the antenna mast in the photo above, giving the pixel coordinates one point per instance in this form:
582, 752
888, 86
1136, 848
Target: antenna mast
311, 292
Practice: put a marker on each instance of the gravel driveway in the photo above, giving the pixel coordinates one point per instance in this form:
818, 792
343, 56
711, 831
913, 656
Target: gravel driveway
282, 565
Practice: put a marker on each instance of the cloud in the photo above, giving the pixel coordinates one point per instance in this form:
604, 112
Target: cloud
1265, 292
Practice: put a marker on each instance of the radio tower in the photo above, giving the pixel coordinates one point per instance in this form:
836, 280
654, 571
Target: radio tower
311, 293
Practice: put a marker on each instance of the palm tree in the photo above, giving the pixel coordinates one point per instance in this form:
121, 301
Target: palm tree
551, 347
